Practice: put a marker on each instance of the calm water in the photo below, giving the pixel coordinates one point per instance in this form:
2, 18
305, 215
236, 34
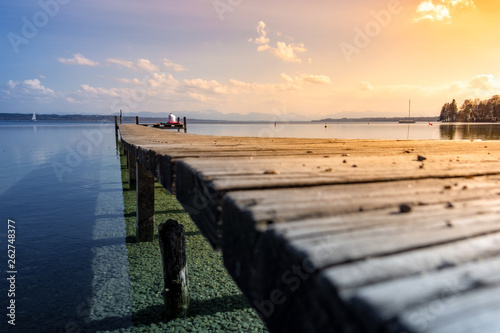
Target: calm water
389, 131
61, 184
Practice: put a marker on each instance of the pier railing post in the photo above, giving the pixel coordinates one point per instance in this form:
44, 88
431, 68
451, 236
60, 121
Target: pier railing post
185, 125
145, 204
116, 126
175, 294
137, 120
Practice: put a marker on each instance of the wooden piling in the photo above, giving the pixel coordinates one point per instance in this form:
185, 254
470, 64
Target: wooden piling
185, 125
137, 120
120, 116
131, 162
145, 204
173, 252
116, 126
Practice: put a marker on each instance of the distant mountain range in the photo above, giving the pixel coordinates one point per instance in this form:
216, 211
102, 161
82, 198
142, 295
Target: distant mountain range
216, 116
219, 116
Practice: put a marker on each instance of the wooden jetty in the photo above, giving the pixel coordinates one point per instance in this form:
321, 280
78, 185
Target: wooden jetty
343, 235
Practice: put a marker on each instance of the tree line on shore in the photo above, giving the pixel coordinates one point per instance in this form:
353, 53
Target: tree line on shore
472, 110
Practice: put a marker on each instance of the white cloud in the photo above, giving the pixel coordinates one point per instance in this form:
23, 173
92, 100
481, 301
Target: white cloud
305, 78
100, 92
173, 66
284, 51
262, 40
124, 63
29, 87
288, 52
146, 65
366, 86
78, 59
11, 84
129, 81
440, 11
211, 86
484, 82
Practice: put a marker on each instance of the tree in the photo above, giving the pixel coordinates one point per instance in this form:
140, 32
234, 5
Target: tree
453, 112
472, 110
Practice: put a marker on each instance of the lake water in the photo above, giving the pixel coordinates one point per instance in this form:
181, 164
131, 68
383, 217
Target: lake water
61, 188
389, 131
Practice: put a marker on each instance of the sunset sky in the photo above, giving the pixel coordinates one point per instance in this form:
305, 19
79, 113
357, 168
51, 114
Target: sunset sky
315, 58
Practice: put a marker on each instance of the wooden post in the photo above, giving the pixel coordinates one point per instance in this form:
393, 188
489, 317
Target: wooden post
173, 253
137, 120
116, 127
185, 125
131, 170
145, 194
120, 116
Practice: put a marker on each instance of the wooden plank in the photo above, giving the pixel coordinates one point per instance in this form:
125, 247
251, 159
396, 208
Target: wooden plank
380, 269
475, 311
423, 299
295, 204
393, 232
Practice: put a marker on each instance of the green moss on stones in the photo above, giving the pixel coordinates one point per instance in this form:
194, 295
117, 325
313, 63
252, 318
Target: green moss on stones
217, 305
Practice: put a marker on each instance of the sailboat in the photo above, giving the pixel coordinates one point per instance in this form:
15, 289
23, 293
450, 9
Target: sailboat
34, 117
409, 120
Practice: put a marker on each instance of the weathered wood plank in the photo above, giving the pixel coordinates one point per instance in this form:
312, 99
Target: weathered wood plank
422, 299
475, 311
380, 269
295, 204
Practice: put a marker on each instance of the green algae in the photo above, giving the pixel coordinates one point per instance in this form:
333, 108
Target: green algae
217, 305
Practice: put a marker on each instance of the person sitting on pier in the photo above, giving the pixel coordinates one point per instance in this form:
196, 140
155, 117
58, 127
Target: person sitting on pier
172, 119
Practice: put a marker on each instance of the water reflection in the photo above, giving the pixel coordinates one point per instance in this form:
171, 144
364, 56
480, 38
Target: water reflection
470, 131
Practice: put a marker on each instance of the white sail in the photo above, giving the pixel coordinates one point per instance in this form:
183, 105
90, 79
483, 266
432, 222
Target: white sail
34, 117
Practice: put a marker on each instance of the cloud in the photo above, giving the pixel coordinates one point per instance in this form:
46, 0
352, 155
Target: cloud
99, 92
78, 59
484, 82
124, 63
284, 51
146, 65
29, 87
175, 67
304, 78
365, 86
262, 40
440, 11
287, 52
211, 86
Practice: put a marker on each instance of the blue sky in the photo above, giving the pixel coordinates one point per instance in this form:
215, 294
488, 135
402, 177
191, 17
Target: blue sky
316, 58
